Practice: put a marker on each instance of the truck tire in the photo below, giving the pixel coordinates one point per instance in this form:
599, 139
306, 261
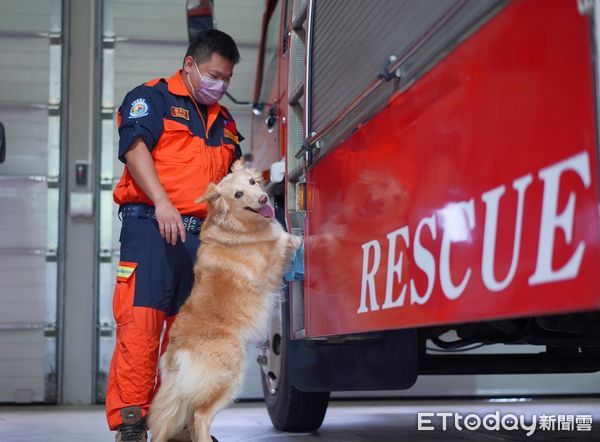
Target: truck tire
289, 408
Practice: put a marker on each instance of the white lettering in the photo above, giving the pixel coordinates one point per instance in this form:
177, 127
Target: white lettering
368, 277
530, 428
492, 426
421, 421
455, 230
457, 418
457, 221
552, 220
395, 268
444, 416
424, 260
491, 200
472, 422
510, 422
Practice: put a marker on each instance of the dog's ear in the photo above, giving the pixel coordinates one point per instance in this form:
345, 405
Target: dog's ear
237, 165
258, 177
210, 195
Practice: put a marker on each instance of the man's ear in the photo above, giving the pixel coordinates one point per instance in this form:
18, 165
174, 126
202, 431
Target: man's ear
188, 64
210, 195
237, 165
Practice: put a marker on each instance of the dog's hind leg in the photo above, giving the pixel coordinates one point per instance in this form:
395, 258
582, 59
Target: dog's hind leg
201, 420
168, 413
199, 427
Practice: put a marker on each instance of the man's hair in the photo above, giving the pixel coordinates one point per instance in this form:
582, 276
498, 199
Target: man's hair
210, 41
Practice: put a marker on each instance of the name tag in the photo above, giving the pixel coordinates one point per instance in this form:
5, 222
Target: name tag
179, 112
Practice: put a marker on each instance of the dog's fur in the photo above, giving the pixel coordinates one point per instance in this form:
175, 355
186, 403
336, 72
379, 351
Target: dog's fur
238, 273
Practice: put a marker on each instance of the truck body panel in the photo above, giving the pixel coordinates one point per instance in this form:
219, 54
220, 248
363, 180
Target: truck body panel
472, 195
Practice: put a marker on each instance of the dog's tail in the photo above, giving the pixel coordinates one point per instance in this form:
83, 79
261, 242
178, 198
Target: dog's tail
168, 412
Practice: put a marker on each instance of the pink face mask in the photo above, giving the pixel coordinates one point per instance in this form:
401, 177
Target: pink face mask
210, 90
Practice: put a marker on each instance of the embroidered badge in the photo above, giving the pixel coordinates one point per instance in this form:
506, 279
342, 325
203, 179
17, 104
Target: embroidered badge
230, 125
139, 108
230, 131
231, 136
179, 112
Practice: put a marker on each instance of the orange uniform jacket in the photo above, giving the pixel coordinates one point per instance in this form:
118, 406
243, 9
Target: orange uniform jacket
191, 144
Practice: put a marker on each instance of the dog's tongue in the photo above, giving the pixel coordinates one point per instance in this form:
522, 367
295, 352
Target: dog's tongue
266, 211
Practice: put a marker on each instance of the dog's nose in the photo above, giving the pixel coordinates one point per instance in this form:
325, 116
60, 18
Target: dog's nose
263, 199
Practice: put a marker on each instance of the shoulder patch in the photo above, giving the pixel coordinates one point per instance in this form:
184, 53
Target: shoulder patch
139, 108
230, 126
230, 131
179, 112
225, 112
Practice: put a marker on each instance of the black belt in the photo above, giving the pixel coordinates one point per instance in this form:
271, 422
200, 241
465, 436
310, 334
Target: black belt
191, 224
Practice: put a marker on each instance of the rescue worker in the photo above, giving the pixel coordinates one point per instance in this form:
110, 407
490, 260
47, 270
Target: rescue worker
174, 138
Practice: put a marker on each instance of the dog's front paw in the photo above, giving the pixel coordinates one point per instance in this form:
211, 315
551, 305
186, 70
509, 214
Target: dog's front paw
295, 242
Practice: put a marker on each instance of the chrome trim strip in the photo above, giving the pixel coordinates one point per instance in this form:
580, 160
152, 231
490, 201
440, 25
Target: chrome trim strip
307, 83
300, 17
378, 81
431, 32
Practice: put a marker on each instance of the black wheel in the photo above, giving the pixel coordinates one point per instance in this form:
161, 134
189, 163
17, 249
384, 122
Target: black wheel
289, 408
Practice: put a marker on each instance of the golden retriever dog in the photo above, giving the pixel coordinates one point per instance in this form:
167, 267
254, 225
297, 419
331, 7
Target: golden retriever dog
238, 274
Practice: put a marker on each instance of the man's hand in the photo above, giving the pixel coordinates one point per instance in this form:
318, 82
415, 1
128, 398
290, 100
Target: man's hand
141, 167
169, 221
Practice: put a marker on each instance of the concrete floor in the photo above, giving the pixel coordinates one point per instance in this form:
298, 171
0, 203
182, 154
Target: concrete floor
346, 421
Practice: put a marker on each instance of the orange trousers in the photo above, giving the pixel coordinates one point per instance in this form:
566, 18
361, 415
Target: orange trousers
133, 376
153, 281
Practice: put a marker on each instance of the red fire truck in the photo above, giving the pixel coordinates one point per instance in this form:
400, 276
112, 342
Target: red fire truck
440, 159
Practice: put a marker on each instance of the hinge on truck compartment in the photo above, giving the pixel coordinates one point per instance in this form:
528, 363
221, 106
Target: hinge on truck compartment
386, 74
307, 148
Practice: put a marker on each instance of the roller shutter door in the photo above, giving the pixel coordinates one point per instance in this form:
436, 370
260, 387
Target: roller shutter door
30, 97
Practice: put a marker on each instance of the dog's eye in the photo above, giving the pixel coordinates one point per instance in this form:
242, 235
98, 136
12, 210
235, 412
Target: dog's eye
239, 194
252, 182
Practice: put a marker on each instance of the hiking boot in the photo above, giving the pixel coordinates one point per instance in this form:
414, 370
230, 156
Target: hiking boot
133, 428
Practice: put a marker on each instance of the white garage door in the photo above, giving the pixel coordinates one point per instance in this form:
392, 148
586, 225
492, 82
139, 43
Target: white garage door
30, 76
